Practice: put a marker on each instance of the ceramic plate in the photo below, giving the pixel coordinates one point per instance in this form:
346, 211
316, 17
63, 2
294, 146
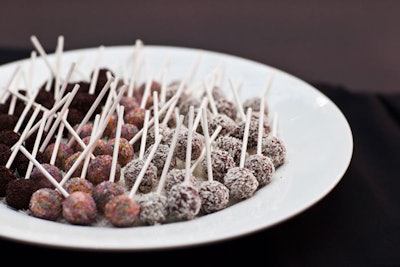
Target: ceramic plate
316, 134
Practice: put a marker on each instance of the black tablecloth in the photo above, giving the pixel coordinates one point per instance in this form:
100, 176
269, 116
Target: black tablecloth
356, 224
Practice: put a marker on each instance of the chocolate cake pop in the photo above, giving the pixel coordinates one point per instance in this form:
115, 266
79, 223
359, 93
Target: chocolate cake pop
6, 175
19, 192
99, 169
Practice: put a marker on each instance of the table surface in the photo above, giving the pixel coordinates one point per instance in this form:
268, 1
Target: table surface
356, 224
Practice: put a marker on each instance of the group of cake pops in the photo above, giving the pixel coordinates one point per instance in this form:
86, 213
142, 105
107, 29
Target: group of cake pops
154, 154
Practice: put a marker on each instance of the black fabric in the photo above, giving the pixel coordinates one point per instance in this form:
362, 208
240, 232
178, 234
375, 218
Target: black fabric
356, 224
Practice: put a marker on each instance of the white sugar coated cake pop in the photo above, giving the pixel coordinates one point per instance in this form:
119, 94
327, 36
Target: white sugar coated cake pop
230, 144
273, 146
262, 168
153, 208
241, 182
183, 199
122, 211
176, 176
214, 196
228, 125
184, 202
131, 171
181, 145
79, 208
221, 162
160, 157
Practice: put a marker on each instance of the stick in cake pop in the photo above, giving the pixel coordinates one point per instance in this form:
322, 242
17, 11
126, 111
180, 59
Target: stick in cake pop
87, 158
239, 106
25, 111
135, 166
116, 144
58, 54
184, 201
241, 182
35, 148
97, 136
273, 146
18, 145
261, 166
92, 108
58, 119
153, 205
137, 57
214, 194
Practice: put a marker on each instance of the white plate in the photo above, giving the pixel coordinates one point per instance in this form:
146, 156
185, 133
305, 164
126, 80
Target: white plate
316, 133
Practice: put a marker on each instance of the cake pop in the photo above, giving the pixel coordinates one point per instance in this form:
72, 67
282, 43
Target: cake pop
184, 201
122, 211
46, 203
240, 181
105, 191
214, 194
79, 208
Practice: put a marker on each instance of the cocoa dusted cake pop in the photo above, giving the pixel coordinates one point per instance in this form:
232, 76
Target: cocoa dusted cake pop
9, 137
5, 153
46, 203
79, 208
6, 175
19, 192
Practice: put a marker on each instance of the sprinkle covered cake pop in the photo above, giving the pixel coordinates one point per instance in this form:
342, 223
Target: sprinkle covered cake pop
46, 203
105, 191
99, 169
79, 208
40, 180
122, 211
78, 184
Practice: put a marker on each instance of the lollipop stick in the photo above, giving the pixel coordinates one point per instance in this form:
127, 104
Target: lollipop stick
170, 155
145, 166
189, 144
116, 143
208, 144
58, 140
21, 139
44, 172
245, 138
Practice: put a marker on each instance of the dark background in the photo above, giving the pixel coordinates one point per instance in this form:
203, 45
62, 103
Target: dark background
354, 43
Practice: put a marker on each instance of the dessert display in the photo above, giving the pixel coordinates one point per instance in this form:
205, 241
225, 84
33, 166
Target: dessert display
115, 150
